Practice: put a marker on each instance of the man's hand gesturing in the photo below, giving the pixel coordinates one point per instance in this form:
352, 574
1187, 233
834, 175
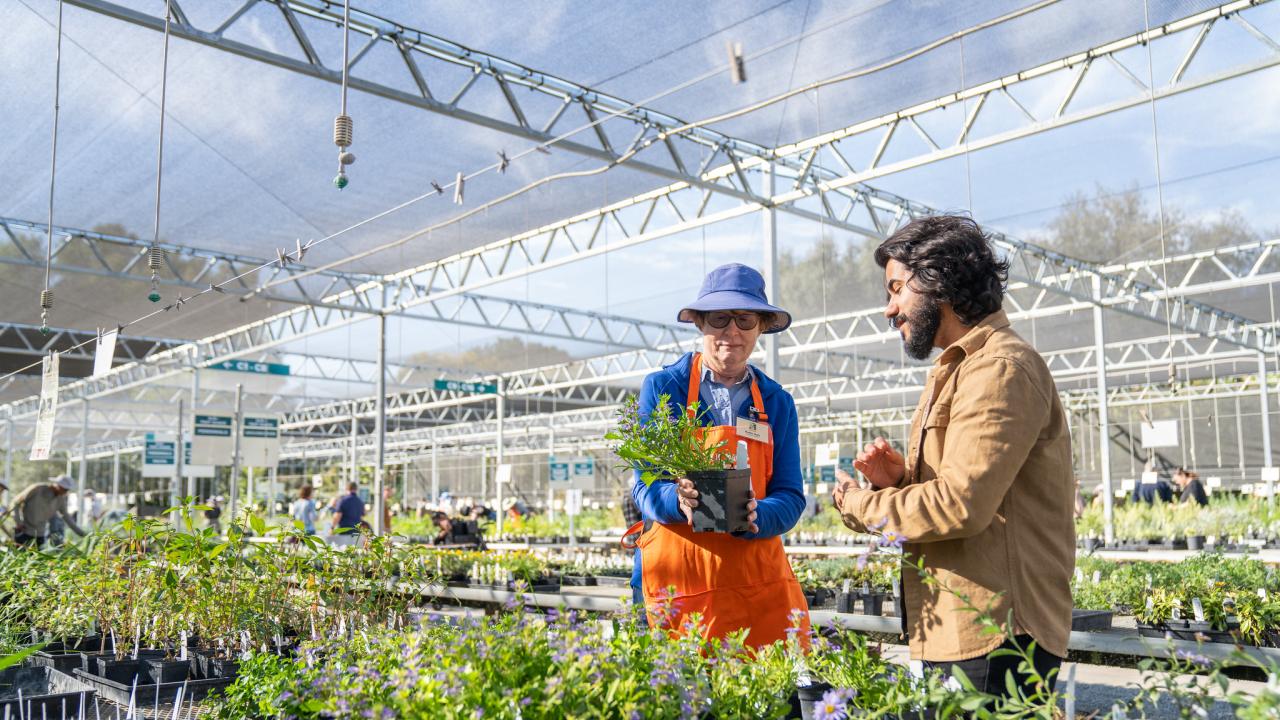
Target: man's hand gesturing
881, 464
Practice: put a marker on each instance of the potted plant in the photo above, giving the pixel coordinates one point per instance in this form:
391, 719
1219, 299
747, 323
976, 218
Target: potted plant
667, 445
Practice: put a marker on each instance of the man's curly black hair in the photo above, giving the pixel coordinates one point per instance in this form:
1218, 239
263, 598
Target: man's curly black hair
952, 261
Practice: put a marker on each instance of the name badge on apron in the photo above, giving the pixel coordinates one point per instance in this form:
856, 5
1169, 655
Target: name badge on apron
752, 430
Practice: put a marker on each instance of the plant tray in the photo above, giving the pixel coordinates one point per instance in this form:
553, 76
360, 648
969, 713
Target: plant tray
613, 580
60, 661
45, 692
1091, 620
146, 692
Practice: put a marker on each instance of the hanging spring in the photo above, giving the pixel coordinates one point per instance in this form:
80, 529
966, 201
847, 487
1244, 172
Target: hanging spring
155, 260
342, 132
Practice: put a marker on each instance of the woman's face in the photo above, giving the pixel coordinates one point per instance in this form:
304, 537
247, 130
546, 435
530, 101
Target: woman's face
729, 346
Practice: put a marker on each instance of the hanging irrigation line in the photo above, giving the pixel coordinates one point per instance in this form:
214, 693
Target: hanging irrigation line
46, 295
155, 254
342, 125
284, 257
1155, 136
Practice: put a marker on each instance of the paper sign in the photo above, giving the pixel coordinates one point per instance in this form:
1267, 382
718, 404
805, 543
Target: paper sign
572, 501
826, 454
1127, 485
503, 474
1160, 434
1270, 474
1150, 478
48, 411
106, 351
1213, 482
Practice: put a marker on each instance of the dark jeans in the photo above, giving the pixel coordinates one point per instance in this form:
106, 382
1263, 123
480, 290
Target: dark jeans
988, 673
25, 539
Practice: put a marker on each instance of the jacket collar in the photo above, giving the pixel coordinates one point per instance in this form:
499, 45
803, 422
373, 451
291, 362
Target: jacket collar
973, 340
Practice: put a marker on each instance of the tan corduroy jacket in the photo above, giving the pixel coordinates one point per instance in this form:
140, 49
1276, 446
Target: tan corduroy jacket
986, 500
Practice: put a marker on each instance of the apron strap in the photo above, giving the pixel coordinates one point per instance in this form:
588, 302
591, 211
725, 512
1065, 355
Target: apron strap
757, 402
695, 384
636, 529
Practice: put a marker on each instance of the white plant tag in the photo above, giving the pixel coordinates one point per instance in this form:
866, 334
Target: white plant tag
137, 638
1262, 593
1079, 575
1097, 576
1197, 607
847, 585
182, 637
1150, 603
1177, 609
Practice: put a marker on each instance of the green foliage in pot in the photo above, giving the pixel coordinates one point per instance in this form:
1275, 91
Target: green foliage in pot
666, 444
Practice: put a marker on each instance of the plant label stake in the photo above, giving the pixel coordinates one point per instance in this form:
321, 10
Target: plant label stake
137, 638
1197, 607
1079, 576
182, 653
1262, 593
1097, 576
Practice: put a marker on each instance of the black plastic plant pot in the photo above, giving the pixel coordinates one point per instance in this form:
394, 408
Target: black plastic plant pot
1091, 544
1195, 542
121, 671
845, 601
223, 668
873, 604
811, 695
89, 660
167, 671
722, 500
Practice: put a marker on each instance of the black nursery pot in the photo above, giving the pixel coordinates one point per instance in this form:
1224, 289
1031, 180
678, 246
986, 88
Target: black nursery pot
166, 671
1195, 542
810, 695
722, 500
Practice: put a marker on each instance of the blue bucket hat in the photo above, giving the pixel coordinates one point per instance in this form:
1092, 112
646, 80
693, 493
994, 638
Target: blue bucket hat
735, 287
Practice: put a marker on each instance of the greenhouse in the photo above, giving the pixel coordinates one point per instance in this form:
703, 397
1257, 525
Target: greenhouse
773, 359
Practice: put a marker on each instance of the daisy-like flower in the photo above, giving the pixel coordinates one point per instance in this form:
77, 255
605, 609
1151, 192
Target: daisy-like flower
893, 539
825, 709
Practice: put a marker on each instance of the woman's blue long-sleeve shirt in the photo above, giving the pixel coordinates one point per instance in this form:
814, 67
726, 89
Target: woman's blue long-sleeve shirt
776, 513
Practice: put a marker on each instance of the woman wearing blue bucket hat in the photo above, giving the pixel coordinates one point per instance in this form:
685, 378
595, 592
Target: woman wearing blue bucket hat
740, 580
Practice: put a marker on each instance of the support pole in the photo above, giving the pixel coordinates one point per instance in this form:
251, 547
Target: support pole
8, 453
502, 411
195, 404
115, 479
352, 474
379, 502
551, 492
1104, 440
770, 268
84, 451
271, 491
1264, 405
179, 454
435, 469
235, 454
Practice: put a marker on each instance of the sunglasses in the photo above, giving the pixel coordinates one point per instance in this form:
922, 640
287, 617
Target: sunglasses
720, 320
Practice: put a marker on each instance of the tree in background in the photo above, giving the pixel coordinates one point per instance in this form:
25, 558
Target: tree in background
501, 355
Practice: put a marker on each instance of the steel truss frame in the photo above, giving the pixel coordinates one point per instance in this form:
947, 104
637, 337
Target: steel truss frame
538, 249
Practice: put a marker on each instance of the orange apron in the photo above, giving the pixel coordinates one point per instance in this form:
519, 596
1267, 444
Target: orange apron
731, 582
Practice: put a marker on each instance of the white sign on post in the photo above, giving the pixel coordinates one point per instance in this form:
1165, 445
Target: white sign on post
48, 411
106, 351
158, 458
1160, 434
214, 441
1150, 478
583, 473
1270, 474
826, 454
503, 474
1213, 482
260, 440
1127, 485
558, 471
573, 502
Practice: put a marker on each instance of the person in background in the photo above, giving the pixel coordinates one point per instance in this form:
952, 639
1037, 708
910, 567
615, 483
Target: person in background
1190, 487
93, 507
386, 510
304, 510
350, 512
1150, 492
37, 505
982, 497
214, 514
444, 527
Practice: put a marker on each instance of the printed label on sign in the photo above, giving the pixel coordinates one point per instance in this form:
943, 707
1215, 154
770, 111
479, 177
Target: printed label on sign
752, 430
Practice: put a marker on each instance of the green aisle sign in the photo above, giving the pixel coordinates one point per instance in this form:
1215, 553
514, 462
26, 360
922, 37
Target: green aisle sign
250, 366
475, 388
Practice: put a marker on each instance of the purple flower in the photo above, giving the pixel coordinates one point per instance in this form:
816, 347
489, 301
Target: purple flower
876, 527
285, 696
635, 715
891, 538
861, 562
1193, 658
825, 709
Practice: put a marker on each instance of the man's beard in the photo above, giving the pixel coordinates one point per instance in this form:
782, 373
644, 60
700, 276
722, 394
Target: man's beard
924, 322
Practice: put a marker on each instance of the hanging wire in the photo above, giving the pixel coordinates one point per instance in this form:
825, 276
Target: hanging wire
46, 295
1155, 136
155, 254
342, 125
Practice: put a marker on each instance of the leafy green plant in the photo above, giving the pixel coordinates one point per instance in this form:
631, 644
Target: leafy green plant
667, 444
